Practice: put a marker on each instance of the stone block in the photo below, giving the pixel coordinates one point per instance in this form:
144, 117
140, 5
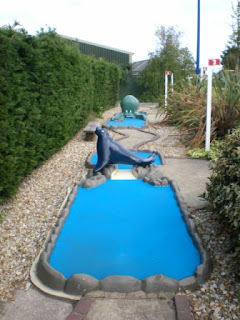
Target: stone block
160, 283
79, 284
49, 276
188, 283
120, 284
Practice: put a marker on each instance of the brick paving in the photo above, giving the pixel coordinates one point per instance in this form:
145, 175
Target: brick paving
182, 307
81, 309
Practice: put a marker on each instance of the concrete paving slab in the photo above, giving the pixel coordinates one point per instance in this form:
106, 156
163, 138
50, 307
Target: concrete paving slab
134, 137
34, 305
123, 309
191, 176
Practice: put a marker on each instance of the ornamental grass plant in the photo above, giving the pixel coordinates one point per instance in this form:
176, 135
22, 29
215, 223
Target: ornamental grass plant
186, 109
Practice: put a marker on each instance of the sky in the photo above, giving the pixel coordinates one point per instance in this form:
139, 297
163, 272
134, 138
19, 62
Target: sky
128, 25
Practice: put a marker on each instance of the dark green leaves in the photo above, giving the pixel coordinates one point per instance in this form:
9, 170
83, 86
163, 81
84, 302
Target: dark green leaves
48, 89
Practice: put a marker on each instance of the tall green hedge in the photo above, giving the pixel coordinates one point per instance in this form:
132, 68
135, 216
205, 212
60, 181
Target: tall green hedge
47, 91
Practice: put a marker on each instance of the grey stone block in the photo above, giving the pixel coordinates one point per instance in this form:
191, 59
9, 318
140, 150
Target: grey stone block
203, 271
49, 248
49, 276
63, 213
107, 171
54, 238
191, 226
188, 283
120, 284
79, 284
147, 179
90, 174
141, 172
184, 210
165, 182
70, 202
94, 181
198, 244
160, 283
75, 190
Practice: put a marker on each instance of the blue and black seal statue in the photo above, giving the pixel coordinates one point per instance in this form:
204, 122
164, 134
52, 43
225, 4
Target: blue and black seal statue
110, 152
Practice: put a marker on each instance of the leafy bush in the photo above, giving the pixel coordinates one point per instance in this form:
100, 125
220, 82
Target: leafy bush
223, 190
48, 90
170, 54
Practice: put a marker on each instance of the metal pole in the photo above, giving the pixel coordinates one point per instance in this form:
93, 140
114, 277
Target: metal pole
172, 81
166, 88
198, 40
209, 110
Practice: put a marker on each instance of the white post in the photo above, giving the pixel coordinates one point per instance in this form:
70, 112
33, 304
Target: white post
209, 109
166, 88
172, 81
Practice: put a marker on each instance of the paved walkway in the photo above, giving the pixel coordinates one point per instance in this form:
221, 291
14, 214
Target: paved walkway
35, 305
191, 176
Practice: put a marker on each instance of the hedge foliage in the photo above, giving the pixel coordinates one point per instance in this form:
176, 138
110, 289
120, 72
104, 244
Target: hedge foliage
47, 91
223, 190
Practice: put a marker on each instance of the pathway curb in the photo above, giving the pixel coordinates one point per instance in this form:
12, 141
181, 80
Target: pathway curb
81, 309
182, 307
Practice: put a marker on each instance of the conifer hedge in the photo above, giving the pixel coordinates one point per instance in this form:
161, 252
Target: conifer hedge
47, 91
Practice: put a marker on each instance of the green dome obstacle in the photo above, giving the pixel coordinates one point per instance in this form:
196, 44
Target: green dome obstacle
129, 105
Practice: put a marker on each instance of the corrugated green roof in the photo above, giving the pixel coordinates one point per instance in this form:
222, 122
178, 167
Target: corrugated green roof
101, 51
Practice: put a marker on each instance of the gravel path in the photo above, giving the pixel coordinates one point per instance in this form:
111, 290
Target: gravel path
31, 214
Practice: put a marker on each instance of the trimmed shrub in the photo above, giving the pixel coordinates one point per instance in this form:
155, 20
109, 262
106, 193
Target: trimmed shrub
223, 190
48, 91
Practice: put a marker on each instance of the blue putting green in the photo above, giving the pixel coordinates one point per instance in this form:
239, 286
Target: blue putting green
142, 154
125, 227
138, 123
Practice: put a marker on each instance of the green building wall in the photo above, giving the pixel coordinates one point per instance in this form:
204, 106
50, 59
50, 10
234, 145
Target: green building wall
99, 51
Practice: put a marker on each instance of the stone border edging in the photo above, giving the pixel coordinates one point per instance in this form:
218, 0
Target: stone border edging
124, 127
51, 281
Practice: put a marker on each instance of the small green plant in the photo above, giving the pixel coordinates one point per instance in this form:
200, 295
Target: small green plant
211, 154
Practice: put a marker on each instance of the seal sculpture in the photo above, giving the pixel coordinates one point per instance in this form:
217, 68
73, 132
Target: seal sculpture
110, 152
